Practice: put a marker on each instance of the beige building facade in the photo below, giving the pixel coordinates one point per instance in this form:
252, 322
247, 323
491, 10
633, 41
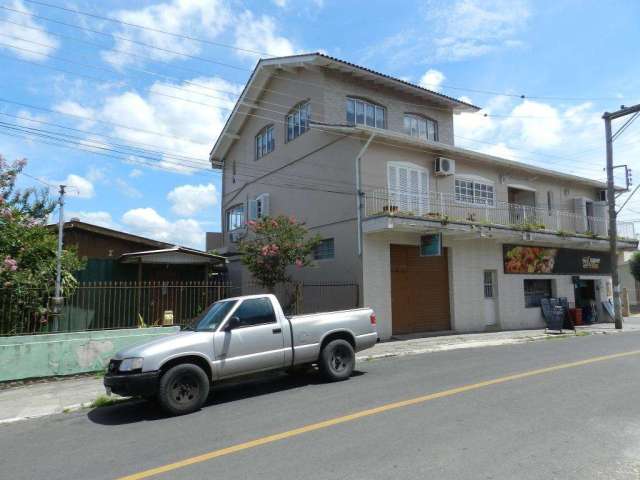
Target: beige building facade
369, 163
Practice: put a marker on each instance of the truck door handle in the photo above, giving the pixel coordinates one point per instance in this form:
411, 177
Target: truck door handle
277, 330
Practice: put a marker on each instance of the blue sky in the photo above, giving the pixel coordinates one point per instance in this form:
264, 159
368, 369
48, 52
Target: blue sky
571, 60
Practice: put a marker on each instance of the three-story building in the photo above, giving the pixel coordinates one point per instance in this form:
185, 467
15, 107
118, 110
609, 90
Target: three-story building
438, 237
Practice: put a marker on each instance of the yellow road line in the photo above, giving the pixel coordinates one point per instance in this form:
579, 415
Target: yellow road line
364, 413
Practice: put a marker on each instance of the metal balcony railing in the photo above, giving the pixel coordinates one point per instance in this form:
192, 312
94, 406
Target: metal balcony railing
449, 208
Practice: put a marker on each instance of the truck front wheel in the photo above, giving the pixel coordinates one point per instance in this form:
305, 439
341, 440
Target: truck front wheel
337, 360
183, 389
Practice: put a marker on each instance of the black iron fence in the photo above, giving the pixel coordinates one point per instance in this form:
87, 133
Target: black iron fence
109, 305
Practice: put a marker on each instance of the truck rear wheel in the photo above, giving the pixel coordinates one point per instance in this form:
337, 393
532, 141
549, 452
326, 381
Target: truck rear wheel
183, 389
337, 360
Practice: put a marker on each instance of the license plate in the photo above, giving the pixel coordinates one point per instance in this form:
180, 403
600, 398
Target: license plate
108, 389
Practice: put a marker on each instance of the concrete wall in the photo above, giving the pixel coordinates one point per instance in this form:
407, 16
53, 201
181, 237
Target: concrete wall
30, 356
467, 261
627, 281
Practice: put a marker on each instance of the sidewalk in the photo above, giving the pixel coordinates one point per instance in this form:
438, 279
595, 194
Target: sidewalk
64, 395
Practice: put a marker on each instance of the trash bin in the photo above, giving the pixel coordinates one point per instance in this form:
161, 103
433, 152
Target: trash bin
576, 315
557, 318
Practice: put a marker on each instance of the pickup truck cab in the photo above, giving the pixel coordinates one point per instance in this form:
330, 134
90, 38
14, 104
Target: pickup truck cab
239, 336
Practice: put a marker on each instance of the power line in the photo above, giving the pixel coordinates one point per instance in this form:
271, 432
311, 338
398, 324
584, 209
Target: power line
195, 57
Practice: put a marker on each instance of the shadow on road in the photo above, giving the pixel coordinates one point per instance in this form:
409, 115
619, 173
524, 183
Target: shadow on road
138, 410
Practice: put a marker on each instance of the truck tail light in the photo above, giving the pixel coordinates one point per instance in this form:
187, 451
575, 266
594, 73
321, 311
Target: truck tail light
373, 319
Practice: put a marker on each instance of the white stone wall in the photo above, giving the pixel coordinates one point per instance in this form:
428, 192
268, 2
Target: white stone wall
467, 261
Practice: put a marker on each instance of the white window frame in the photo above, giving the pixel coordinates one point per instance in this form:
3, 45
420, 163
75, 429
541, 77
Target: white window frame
418, 119
265, 142
366, 105
400, 198
299, 118
475, 181
230, 211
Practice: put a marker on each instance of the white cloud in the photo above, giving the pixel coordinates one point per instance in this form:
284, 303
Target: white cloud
186, 128
190, 200
432, 79
35, 37
77, 186
149, 223
127, 190
195, 18
101, 218
538, 124
135, 173
280, 3
84, 114
258, 34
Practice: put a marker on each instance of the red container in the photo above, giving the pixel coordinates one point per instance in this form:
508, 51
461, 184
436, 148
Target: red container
576, 315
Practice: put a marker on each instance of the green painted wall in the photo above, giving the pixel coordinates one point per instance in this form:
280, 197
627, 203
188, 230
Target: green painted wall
30, 356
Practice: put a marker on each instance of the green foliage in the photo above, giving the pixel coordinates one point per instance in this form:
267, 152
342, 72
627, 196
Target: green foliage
28, 249
274, 245
634, 265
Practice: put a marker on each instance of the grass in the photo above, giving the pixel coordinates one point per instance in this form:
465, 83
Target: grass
99, 374
104, 401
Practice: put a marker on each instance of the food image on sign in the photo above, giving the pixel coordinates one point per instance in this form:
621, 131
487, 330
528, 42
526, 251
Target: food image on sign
520, 259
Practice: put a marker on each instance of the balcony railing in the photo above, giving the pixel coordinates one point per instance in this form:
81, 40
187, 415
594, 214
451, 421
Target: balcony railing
445, 207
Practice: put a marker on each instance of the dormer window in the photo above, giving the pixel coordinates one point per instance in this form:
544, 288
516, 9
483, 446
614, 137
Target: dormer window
297, 122
362, 112
265, 142
420, 127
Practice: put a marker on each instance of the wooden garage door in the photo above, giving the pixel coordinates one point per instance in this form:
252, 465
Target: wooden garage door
419, 291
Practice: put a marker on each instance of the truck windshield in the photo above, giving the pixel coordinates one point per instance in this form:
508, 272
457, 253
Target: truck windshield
215, 316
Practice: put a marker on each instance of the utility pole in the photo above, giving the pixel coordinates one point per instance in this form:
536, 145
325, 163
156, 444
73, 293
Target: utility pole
611, 199
57, 300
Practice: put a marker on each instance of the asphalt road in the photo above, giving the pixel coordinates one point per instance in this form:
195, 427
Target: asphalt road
581, 421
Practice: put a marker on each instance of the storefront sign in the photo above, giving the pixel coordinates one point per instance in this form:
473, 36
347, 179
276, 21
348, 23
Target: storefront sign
431, 245
554, 261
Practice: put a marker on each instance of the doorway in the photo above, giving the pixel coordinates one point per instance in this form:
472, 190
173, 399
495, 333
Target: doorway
521, 205
490, 298
585, 298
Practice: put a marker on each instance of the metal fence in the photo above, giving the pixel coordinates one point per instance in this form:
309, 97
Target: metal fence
109, 305
446, 206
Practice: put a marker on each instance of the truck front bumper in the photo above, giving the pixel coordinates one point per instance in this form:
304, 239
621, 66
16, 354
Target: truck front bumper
143, 384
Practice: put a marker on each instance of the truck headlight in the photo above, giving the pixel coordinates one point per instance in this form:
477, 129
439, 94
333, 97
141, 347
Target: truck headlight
130, 364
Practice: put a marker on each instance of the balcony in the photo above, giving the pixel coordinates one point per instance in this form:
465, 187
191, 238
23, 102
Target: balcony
446, 209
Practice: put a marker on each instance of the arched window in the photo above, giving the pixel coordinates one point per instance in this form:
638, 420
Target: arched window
265, 142
420, 126
363, 112
297, 121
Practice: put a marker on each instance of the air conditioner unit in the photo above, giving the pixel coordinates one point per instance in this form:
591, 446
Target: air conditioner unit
444, 166
602, 195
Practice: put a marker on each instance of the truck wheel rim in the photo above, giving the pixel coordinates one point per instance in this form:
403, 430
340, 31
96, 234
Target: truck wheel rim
340, 359
185, 390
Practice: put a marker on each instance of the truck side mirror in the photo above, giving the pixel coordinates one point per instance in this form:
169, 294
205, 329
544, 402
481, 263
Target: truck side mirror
234, 322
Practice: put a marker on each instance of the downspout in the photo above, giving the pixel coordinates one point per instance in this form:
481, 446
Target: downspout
359, 192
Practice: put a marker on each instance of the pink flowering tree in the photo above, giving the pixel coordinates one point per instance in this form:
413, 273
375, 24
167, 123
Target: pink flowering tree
275, 245
28, 251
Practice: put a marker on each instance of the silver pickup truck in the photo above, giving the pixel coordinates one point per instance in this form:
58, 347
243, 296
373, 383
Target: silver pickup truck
239, 336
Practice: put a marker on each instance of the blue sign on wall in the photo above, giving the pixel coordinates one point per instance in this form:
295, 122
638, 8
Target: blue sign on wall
431, 245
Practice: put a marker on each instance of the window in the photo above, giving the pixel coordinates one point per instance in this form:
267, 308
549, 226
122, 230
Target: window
534, 290
259, 207
421, 127
324, 250
215, 316
265, 142
361, 112
235, 217
408, 187
297, 121
550, 202
472, 191
255, 311
489, 287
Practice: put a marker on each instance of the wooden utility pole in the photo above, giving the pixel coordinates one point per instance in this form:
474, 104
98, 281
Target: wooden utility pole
611, 199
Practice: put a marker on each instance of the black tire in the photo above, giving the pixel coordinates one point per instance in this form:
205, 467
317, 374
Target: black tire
183, 389
337, 360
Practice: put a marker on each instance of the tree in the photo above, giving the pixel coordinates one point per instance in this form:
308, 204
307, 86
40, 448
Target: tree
28, 254
634, 266
275, 245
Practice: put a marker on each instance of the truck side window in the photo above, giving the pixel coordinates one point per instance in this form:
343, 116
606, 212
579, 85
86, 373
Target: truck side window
255, 311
